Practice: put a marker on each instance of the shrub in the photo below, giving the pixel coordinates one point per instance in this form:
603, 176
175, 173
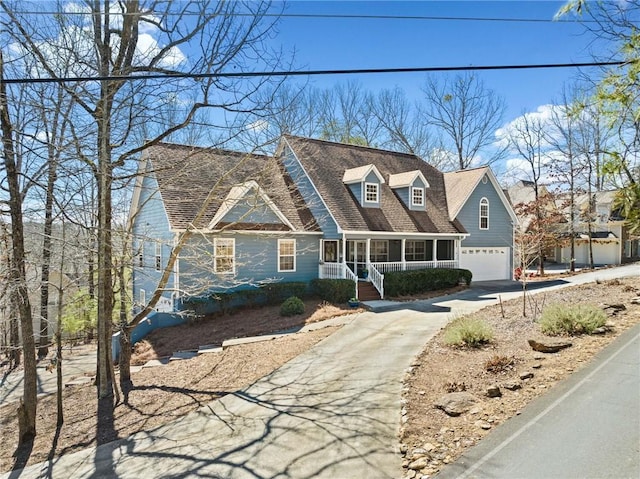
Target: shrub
278, 292
558, 319
292, 306
333, 290
499, 364
467, 332
400, 283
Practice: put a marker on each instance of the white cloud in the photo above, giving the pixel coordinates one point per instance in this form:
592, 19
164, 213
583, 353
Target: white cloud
258, 126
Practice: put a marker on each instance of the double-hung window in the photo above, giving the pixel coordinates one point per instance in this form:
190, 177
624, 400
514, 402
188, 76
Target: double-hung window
224, 255
484, 214
141, 255
379, 251
286, 255
371, 193
415, 250
417, 196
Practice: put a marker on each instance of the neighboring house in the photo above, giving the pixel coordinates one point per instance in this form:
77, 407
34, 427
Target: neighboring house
318, 209
610, 239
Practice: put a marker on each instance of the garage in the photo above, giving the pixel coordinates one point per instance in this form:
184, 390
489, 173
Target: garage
486, 263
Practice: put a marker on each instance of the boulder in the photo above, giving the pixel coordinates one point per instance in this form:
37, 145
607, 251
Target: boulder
455, 404
548, 345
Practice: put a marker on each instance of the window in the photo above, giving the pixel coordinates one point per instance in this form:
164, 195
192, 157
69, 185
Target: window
415, 250
143, 298
158, 256
224, 255
330, 251
484, 214
379, 251
286, 255
371, 192
417, 196
141, 255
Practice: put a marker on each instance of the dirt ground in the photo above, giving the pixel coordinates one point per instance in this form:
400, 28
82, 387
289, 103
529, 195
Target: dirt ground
164, 393
429, 433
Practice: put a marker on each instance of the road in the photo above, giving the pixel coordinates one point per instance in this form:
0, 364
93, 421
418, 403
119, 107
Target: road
331, 413
587, 427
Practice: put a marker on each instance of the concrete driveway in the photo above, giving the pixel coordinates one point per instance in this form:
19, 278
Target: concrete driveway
333, 412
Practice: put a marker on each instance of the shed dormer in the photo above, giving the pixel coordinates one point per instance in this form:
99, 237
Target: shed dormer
411, 187
365, 182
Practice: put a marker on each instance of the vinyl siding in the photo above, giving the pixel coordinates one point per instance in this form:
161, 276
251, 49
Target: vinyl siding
246, 212
256, 261
500, 232
371, 178
308, 192
150, 226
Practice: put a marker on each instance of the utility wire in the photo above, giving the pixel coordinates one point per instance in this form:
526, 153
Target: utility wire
334, 16
167, 76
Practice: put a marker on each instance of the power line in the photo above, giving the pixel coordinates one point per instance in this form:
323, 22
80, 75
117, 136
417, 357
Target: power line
334, 16
166, 76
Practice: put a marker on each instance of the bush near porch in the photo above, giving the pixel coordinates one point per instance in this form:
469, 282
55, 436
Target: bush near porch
401, 283
332, 290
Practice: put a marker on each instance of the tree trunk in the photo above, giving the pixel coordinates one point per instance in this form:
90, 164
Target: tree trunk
27, 408
43, 340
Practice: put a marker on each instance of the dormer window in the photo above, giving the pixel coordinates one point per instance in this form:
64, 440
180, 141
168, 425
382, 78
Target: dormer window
417, 196
371, 192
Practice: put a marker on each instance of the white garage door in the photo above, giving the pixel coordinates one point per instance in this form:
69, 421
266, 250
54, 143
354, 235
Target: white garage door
487, 264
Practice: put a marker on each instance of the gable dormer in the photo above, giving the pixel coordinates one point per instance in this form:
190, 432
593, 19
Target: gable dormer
248, 203
411, 188
365, 182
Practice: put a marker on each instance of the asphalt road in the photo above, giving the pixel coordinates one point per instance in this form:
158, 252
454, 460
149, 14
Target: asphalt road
586, 427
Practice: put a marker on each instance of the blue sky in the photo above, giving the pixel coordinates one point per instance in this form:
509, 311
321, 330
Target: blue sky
322, 43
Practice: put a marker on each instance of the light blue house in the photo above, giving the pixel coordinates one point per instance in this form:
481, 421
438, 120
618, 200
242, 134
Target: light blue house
317, 209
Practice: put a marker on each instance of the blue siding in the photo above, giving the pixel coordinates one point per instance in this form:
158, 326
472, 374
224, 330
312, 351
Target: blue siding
356, 191
500, 232
308, 192
150, 226
405, 195
251, 210
256, 261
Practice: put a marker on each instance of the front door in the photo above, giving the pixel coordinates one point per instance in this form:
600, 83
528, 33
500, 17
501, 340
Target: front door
357, 256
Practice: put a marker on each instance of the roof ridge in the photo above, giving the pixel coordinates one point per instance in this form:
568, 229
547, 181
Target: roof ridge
168, 144
362, 147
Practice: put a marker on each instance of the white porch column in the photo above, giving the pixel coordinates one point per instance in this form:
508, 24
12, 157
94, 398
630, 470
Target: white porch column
435, 253
344, 256
368, 254
403, 246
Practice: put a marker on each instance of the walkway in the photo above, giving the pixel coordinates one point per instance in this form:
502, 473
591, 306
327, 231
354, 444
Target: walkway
332, 412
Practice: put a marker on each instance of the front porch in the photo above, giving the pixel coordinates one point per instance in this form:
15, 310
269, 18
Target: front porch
369, 259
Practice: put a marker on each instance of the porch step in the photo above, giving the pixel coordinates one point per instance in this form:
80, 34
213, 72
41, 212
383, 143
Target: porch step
367, 291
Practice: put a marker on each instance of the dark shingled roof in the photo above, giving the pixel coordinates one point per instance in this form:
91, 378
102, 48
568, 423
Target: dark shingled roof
186, 176
325, 163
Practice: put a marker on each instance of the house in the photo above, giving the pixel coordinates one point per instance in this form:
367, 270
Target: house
611, 242
317, 209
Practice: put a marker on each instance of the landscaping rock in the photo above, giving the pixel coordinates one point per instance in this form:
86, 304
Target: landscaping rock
636, 300
483, 425
455, 404
548, 345
494, 392
419, 464
526, 375
613, 309
512, 385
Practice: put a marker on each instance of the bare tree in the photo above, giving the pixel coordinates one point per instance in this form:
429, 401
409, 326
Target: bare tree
525, 137
105, 41
27, 408
466, 112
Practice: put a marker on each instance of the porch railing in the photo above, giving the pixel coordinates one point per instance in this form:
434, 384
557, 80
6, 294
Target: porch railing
376, 278
412, 265
338, 271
